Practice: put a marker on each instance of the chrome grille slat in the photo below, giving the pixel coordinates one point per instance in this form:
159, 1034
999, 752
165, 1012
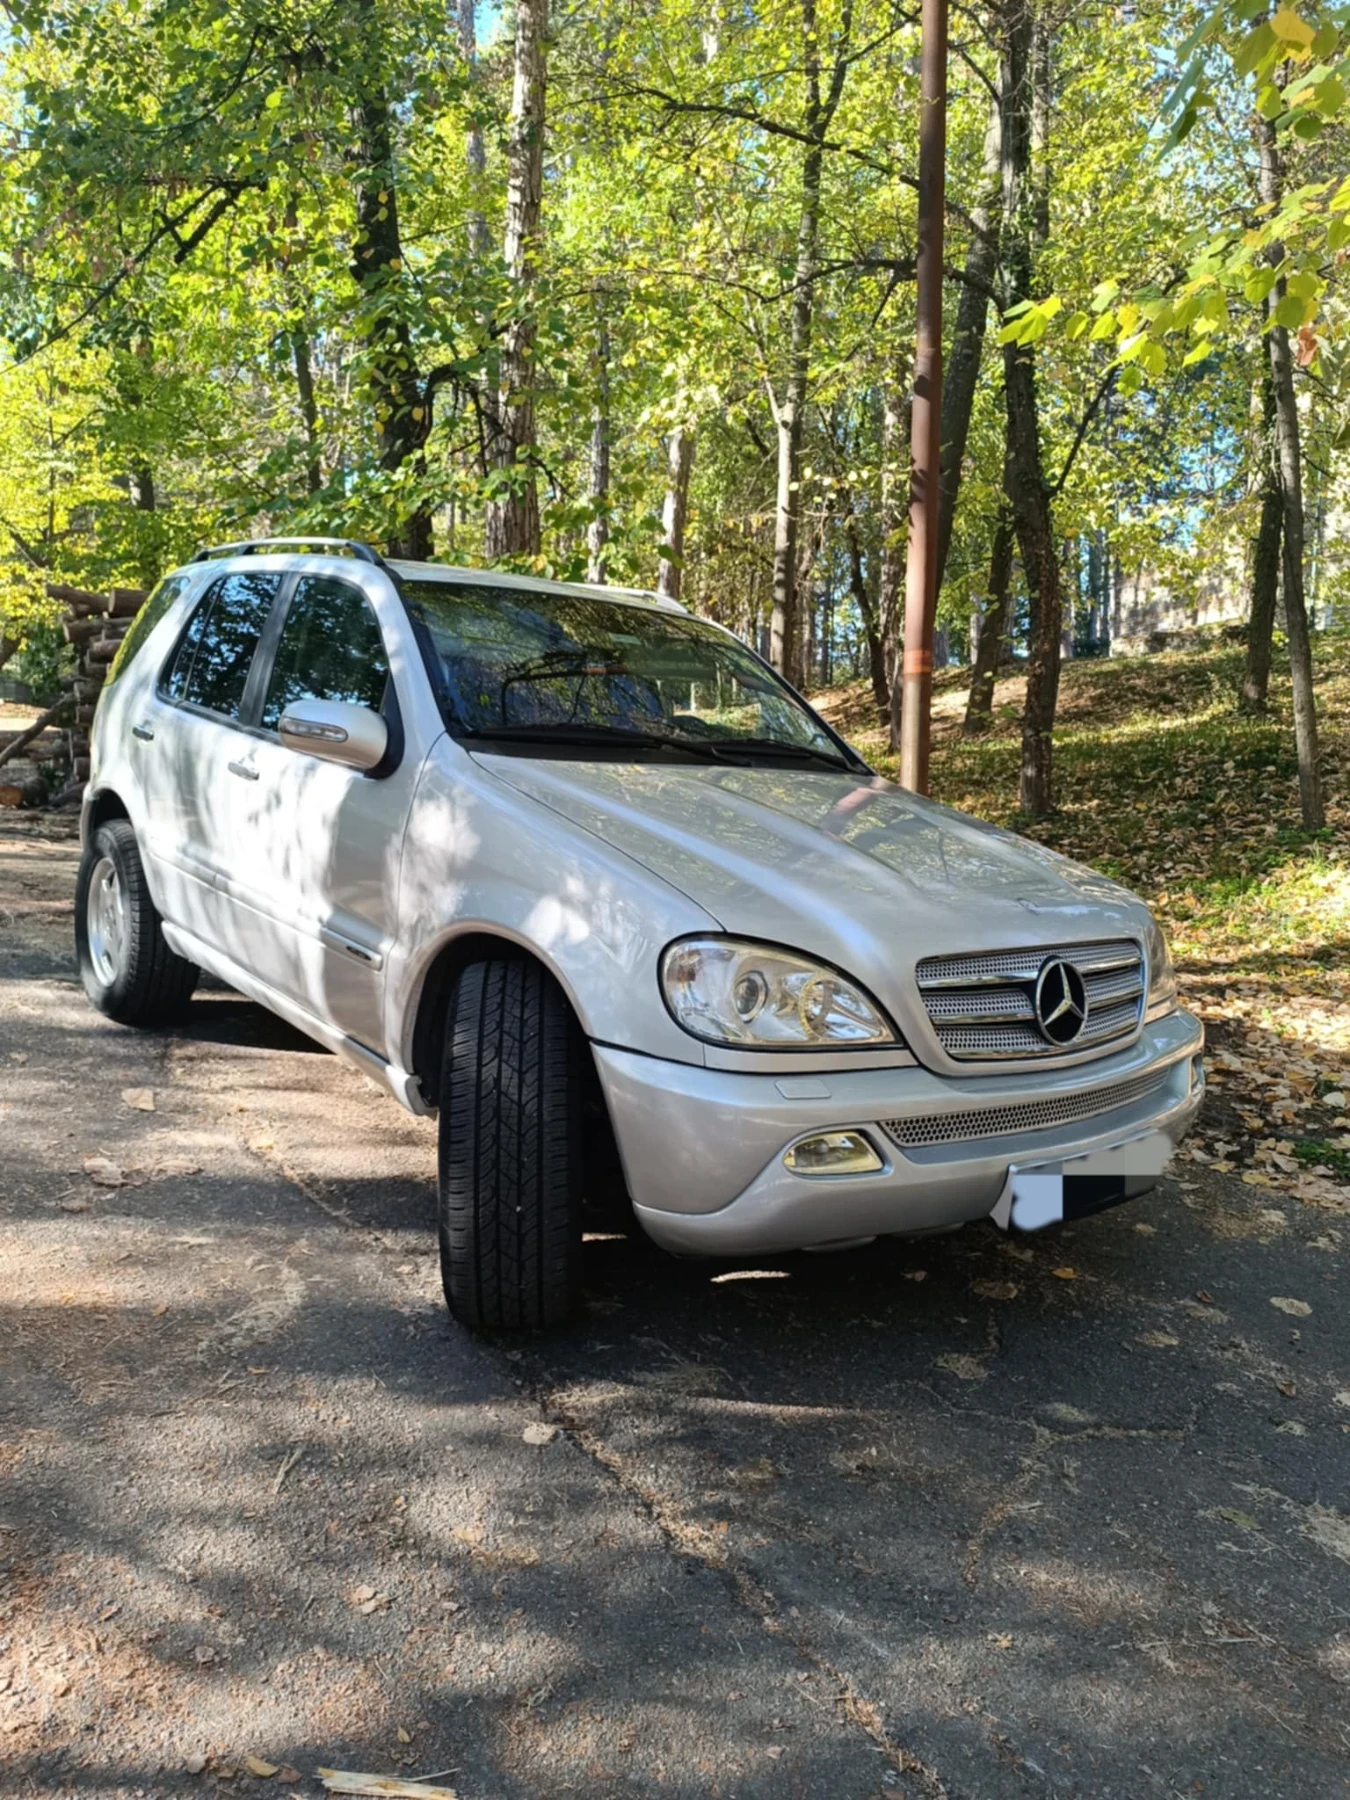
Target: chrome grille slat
1022, 965
981, 1004
1028, 1115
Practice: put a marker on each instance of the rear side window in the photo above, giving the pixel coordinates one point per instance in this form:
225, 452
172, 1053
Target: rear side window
152, 611
330, 649
211, 665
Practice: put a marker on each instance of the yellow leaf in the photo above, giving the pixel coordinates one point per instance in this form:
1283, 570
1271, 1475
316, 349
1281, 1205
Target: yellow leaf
1290, 29
1065, 1274
404, 1737
256, 1766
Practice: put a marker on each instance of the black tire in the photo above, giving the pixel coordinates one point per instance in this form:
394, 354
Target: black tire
510, 1149
137, 979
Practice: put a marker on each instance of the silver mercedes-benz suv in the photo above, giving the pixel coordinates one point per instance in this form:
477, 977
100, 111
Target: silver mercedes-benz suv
580, 871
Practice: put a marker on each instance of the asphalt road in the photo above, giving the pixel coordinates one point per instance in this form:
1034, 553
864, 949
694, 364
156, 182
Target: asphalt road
963, 1517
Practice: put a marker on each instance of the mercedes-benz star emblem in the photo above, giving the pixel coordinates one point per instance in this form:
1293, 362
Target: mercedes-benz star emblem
1061, 1002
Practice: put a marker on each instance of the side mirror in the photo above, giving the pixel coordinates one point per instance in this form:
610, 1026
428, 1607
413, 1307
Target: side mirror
336, 730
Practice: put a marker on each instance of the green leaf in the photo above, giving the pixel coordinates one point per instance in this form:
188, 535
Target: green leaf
1290, 29
1253, 47
1258, 285
1289, 312
1201, 351
1075, 325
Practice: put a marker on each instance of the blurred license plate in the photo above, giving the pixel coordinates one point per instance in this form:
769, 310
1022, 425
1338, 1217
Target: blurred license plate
1039, 1194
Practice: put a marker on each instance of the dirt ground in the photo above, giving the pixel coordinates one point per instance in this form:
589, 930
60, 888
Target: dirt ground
965, 1517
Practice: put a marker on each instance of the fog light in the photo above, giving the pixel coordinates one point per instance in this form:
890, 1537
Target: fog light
832, 1153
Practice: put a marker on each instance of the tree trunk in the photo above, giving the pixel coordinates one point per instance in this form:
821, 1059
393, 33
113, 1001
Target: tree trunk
786, 633
993, 629
1265, 565
309, 411
377, 262
512, 523
1028, 491
675, 513
894, 516
962, 370
1289, 464
480, 244
597, 532
867, 612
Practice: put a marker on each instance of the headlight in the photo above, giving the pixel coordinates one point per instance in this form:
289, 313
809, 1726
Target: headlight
762, 998
1162, 977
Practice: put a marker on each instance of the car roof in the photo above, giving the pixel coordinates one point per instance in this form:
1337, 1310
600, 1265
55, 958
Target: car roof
452, 573
330, 552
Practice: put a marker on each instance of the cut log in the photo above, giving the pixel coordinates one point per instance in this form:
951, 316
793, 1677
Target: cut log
124, 603
81, 631
79, 600
35, 730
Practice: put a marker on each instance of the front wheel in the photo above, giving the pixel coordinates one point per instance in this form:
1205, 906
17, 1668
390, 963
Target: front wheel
510, 1149
128, 970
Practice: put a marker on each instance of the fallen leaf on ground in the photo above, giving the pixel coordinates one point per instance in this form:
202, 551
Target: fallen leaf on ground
1158, 1340
74, 1206
139, 1099
103, 1171
350, 1781
996, 1290
967, 1368
288, 1776
538, 1433
256, 1766
1297, 1309
404, 1737
195, 1763
1335, 1101
1065, 1274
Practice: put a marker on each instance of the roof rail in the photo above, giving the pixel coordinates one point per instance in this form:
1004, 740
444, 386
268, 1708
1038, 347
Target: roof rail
260, 546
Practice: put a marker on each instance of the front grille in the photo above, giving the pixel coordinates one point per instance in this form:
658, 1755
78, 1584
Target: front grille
1029, 1115
982, 1005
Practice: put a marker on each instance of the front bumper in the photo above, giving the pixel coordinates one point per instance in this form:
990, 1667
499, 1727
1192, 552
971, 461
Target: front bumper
702, 1149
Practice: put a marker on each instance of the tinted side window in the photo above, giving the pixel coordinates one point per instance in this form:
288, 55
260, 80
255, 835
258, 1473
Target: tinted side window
330, 649
215, 653
152, 611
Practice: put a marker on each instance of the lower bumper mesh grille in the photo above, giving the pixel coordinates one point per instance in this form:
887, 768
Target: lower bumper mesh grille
1030, 1115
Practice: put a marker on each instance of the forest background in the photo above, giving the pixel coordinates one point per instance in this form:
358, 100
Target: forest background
625, 292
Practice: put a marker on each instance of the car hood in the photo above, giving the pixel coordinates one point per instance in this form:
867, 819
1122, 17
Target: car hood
848, 867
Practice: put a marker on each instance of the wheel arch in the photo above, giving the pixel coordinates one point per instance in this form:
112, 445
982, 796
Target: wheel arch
99, 809
432, 995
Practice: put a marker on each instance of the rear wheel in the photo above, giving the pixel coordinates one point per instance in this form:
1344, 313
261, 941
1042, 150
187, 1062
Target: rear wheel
510, 1149
128, 970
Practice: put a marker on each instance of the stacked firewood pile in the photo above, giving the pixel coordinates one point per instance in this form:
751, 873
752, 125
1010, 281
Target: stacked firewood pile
96, 625
59, 739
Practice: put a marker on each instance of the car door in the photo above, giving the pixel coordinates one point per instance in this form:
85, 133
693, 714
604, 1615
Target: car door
188, 738
317, 845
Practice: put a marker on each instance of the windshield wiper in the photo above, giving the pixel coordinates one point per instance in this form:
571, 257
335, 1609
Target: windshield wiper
593, 735
727, 748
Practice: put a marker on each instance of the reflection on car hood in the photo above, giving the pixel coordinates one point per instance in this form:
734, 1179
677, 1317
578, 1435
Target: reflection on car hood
848, 867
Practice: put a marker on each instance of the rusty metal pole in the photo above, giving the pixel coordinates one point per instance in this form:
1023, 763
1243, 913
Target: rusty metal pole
921, 569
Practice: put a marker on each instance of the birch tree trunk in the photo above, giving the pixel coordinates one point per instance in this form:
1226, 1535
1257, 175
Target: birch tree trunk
675, 512
512, 523
1289, 466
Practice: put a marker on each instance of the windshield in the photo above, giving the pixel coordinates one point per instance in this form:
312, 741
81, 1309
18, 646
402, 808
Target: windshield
532, 665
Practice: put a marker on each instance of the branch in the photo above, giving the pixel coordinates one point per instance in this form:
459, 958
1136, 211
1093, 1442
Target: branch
1107, 383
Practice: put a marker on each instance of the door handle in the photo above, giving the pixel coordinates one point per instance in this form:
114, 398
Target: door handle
239, 768
143, 732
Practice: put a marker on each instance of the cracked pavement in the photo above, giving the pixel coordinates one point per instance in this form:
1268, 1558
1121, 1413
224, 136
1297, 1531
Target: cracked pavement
960, 1517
